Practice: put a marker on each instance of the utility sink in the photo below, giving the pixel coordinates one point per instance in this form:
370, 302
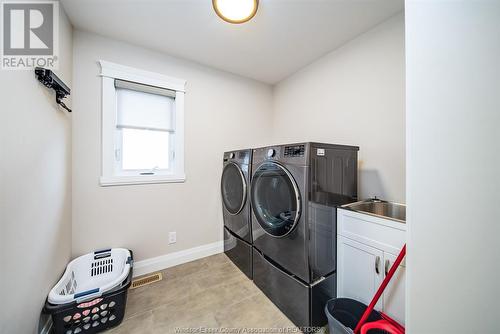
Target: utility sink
379, 208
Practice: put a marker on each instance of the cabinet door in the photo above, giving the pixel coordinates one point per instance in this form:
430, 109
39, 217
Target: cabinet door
360, 271
394, 294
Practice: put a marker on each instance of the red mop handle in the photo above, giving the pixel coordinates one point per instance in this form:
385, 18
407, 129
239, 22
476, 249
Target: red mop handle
381, 289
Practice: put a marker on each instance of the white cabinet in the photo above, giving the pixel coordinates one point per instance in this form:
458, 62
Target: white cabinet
394, 294
366, 248
359, 270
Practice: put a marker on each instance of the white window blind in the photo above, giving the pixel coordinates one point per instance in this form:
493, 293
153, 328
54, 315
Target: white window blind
142, 126
144, 107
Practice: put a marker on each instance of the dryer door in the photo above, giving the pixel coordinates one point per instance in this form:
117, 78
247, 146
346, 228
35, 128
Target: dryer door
275, 199
233, 188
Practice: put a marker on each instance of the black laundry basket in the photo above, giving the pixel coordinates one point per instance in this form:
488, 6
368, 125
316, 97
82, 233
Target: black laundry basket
93, 314
344, 314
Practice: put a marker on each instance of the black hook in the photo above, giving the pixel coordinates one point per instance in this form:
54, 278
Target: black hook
50, 80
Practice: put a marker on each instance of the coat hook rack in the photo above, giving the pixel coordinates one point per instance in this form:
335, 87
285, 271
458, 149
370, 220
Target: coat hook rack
50, 80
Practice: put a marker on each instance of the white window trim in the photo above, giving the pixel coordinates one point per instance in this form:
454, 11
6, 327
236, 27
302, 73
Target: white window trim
110, 72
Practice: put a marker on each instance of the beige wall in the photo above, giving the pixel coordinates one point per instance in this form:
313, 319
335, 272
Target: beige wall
35, 191
453, 114
354, 96
222, 112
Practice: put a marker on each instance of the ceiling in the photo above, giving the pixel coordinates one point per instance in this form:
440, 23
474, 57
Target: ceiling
283, 37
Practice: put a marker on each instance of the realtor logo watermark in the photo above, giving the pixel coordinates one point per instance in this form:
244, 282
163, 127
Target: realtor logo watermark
30, 34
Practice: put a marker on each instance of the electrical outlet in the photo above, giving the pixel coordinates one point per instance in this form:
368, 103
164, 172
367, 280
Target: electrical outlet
172, 237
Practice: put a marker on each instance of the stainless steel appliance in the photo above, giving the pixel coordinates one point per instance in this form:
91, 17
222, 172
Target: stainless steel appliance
294, 194
235, 184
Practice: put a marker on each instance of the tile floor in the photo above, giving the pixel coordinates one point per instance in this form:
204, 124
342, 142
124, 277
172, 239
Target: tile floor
210, 292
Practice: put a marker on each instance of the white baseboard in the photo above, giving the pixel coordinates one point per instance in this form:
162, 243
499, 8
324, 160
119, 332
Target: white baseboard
173, 259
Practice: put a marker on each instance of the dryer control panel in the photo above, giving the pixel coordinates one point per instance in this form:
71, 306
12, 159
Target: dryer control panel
294, 151
295, 154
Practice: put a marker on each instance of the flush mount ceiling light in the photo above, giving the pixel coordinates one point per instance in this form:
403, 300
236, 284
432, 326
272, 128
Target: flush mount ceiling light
236, 11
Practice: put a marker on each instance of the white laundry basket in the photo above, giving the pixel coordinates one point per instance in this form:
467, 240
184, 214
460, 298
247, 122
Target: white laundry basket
91, 295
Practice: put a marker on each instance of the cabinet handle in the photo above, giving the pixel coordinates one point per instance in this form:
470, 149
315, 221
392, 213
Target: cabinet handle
387, 266
377, 263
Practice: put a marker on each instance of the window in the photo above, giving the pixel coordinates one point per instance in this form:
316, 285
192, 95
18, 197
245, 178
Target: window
142, 127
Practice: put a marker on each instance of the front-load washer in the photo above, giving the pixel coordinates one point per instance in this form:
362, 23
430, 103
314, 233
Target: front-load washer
294, 194
235, 182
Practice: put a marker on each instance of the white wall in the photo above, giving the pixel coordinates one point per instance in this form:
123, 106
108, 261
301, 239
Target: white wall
453, 164
354, 96
342, 88
35, 191
222, 112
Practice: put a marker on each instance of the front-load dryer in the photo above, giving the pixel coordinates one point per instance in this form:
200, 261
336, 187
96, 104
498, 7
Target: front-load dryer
294, 194
235, 183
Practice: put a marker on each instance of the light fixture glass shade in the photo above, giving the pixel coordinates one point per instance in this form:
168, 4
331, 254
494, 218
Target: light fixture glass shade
235, 11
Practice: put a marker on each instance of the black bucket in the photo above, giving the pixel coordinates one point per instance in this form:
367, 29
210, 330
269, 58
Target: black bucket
344, 314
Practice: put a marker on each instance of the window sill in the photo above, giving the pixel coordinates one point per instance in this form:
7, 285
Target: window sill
106, 181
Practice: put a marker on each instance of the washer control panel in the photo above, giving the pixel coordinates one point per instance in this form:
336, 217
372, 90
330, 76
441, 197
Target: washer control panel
241, 156
294, 151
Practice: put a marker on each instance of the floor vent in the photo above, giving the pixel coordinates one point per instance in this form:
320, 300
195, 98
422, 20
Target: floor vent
156, 277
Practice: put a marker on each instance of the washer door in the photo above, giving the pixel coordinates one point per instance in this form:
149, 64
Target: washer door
275, 199
233, 188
